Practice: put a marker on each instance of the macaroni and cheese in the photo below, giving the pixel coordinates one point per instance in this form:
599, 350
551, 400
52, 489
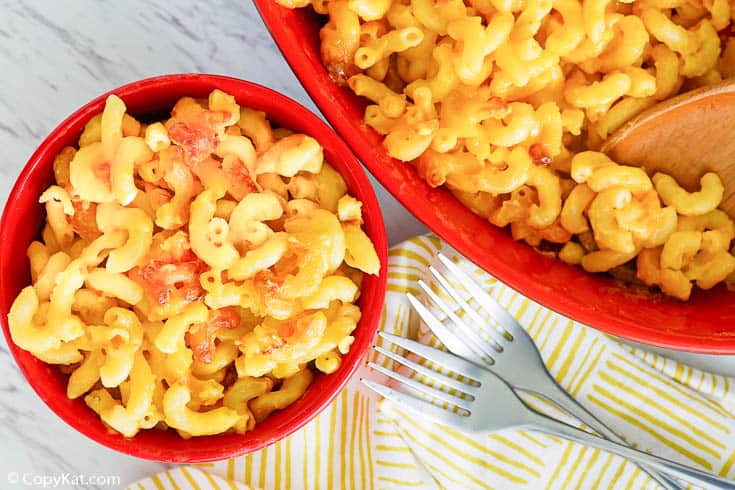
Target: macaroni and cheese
193, 273
504, 102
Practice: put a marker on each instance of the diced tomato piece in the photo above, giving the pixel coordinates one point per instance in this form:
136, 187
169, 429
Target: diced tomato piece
199, 136
227, 317
84, 220
170, 275
201, 336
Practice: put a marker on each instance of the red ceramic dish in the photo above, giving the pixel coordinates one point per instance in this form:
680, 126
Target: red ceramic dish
704, 324
21, 223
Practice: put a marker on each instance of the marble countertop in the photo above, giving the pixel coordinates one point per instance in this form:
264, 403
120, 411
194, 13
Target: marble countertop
54, 57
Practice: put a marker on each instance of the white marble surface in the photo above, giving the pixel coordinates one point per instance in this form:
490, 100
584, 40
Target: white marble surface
55, 55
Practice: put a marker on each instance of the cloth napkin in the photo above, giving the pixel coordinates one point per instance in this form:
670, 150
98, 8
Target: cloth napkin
659, 405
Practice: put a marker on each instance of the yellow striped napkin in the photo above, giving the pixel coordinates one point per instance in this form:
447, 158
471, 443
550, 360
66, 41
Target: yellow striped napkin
359, 442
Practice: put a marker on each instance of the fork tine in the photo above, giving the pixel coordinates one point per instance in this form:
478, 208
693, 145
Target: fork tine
423, 388
479, 322
440, 378
476, 342
487, 302
444, 359
420, 407
449, 338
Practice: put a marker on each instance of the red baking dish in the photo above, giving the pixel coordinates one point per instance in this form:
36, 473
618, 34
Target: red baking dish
703, 324
21, 223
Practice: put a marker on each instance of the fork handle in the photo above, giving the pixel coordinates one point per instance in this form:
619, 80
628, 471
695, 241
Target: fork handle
564, 400
547, 425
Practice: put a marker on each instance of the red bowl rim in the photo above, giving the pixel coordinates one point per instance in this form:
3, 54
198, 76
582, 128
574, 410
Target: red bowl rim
373, 221
430, 217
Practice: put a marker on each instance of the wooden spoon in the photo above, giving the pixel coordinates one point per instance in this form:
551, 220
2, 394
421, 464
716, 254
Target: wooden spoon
685, 137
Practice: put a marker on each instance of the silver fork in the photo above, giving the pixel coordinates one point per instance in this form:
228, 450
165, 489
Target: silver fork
489, 404
510, 345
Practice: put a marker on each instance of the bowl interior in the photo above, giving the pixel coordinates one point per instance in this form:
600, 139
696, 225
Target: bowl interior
21, 224
701, 325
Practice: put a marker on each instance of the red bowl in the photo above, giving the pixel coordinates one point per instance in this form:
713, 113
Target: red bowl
703, 324
21, 223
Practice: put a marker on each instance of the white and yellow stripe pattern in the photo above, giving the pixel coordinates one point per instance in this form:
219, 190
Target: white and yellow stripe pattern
359, 443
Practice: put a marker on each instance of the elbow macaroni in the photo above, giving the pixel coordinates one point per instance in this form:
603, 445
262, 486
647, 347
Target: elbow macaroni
164, 270
499, 99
